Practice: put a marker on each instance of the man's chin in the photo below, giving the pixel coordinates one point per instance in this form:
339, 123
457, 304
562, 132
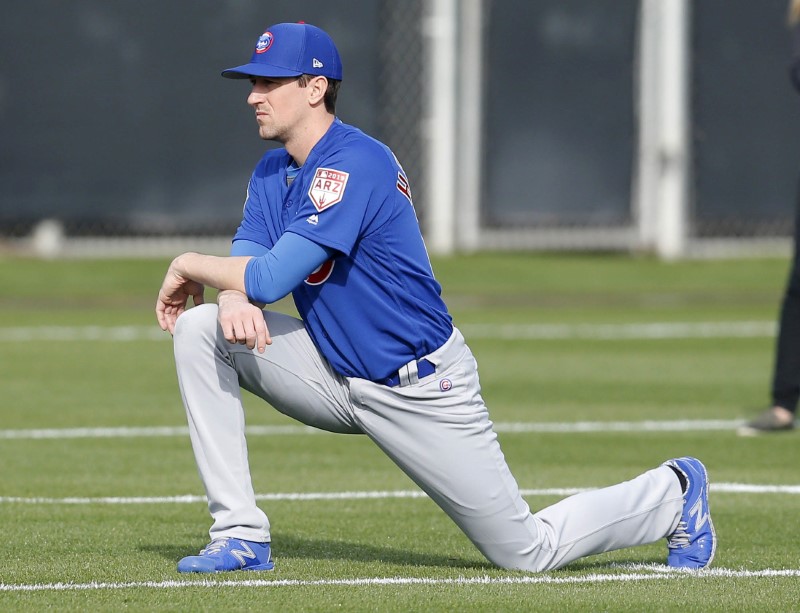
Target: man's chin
268, 135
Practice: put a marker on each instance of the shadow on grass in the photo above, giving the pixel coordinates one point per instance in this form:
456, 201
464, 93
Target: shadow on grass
618, 564
302, 547
324, 549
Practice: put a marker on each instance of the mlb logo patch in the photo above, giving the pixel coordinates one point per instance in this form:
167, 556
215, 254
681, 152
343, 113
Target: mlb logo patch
327, 188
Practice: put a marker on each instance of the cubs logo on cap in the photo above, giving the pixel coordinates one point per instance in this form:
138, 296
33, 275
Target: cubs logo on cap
264, 42
290, 50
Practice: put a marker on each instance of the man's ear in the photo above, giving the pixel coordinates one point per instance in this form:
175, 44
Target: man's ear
317, 88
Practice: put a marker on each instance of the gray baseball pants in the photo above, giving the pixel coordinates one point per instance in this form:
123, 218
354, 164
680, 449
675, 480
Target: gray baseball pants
437, 430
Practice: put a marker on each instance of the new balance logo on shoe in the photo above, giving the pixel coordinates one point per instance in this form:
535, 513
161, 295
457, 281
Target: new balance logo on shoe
700, 517
241, 554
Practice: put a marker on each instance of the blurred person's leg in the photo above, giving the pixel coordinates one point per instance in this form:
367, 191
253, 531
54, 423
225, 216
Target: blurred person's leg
785, 389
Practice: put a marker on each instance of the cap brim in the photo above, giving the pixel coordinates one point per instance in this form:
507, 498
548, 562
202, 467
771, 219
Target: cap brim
246, 71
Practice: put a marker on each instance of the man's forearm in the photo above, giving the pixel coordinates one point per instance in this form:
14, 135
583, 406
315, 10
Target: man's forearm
223, 273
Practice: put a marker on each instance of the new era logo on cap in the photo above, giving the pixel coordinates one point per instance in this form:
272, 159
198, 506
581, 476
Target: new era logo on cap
289, 50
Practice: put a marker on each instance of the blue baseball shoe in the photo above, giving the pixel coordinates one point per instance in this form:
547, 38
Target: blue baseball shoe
693, 543
226, 554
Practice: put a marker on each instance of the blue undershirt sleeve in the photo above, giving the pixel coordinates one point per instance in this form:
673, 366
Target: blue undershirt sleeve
246, 247
271, 276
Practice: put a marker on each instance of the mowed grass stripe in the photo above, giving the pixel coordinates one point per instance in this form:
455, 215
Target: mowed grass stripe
631, 331
717, 488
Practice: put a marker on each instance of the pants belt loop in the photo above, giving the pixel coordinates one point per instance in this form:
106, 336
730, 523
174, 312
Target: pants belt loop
413, 373
408, 374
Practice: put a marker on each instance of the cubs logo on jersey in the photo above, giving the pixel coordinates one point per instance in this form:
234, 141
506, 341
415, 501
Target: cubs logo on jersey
321, 274
327, 187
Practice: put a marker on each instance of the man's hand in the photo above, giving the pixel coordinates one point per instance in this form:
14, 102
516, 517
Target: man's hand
241, 321
188, 275
174, 295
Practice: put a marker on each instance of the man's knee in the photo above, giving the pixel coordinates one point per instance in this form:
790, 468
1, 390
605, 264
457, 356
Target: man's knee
194, 324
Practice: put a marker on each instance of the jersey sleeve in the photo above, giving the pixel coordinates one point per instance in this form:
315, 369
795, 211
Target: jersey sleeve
253, 225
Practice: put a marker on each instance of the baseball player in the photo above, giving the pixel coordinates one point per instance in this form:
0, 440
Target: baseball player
329, 217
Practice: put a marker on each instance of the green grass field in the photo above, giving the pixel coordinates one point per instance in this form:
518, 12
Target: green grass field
99, 495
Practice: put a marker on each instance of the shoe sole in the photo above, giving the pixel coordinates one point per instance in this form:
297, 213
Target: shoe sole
710, 523
266, 566
199, 571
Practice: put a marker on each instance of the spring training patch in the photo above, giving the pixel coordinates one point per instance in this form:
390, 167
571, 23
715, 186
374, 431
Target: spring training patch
327, 188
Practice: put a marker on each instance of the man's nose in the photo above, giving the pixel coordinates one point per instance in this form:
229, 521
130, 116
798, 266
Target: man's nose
254, 97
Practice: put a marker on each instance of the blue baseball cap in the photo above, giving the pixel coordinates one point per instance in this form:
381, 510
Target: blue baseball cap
289, 50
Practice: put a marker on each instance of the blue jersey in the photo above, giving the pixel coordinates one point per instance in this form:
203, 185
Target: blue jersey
375, 305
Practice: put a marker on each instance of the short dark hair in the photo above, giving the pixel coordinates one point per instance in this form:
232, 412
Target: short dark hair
330, 94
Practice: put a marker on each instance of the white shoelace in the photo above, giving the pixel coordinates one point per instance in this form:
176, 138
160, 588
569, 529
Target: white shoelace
214, 546
679, 538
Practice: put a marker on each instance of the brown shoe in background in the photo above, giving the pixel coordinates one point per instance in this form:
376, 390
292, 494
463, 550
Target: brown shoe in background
775, 419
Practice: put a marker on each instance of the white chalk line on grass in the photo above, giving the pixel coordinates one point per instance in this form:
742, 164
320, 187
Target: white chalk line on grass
142, 432
650, 573
630, 331
678, 425
716, 488
686, 425
82, 333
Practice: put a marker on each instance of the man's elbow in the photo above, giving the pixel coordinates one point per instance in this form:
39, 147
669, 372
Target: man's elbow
267, 295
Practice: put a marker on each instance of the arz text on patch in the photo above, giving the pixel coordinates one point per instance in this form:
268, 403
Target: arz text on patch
327, 188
